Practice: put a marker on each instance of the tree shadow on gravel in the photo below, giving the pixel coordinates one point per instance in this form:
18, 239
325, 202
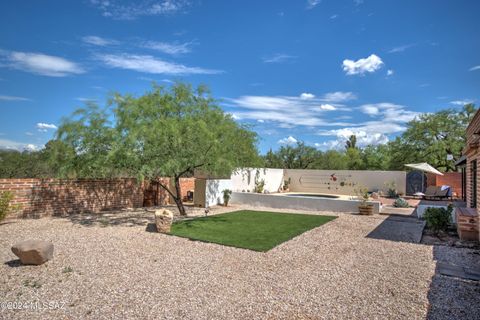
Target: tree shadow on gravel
452, 297
112, 219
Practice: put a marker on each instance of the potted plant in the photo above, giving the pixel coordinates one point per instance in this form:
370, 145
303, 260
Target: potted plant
227, 193
364, 207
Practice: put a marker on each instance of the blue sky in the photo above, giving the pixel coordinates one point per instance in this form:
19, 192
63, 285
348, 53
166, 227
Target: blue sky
315, 71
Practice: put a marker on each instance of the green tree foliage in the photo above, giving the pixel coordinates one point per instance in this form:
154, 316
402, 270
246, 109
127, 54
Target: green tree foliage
29, 164
431, 137
351, 143
299, 156
167, 132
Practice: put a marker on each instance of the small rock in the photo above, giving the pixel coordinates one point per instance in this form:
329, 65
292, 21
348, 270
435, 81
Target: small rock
34, 252
163, 220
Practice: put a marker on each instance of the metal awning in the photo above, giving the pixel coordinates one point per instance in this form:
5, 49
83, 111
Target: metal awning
462, 161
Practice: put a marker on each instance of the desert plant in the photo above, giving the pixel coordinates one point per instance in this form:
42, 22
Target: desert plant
400, 203
362, 195
364, 207
227, 193
259, 185
5, 206
438, 219
391, 189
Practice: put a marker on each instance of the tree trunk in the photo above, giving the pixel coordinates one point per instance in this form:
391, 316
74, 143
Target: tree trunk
178, 198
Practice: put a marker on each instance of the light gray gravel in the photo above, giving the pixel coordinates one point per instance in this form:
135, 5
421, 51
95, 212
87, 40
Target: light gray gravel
112, 267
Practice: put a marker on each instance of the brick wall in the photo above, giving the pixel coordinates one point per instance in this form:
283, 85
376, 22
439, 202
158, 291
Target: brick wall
186, 184
452, 179
40, 197
472, 152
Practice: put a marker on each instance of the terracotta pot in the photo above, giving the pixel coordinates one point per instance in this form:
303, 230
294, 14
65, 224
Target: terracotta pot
366, 210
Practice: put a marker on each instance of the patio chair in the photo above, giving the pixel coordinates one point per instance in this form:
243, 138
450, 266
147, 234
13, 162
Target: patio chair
441, 194
430, 192
436, 193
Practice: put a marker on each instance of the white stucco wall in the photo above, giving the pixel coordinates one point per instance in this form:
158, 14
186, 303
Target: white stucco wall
214, 191
343, 181
284, 202
245, 179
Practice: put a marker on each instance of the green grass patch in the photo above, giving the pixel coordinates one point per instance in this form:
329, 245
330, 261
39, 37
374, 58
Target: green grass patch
254, 230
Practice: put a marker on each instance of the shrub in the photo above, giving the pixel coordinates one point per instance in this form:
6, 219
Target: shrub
363, 196
259, 185
438, 219
227, 193
5, 207
391, 189
401, 203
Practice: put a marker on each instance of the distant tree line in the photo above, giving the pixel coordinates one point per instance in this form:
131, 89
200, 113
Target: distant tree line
428, 138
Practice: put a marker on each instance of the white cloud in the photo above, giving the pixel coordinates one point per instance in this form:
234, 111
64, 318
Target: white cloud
401, 48
82, 99
390, 72
390, 112
358, 2
328, 107
288, 111
368, 134
306, 96
44, 127
261, 120
150, 64
169, 48
389, 119
462, 102
362, 66
19, 146
288, 141
41, 64
334, 16
474, 68
99, 41
313, 3
119, 10
13, 98
339, 96
278, 58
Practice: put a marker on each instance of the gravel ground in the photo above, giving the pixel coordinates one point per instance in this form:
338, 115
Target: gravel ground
112, 267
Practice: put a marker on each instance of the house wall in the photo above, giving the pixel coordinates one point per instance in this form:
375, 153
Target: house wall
343, 181
472, 152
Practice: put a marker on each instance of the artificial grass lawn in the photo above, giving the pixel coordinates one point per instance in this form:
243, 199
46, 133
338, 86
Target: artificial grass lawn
254, 230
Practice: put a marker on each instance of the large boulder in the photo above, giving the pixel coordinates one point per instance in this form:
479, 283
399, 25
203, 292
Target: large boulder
33, 251
163, 220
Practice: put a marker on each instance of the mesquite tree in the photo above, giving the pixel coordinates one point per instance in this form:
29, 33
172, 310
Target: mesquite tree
167, 132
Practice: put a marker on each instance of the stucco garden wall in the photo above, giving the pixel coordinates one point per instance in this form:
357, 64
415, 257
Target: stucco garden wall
343, 181
244, 180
